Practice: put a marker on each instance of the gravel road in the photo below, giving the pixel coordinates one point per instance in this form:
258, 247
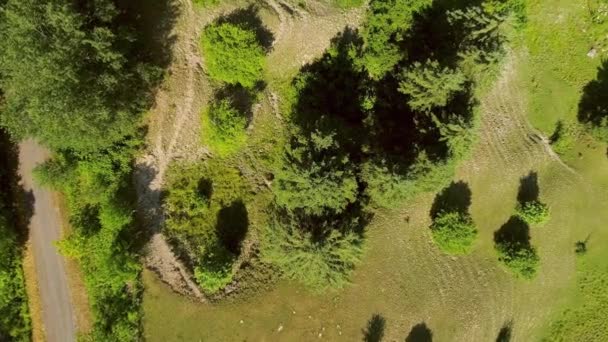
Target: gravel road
45, 228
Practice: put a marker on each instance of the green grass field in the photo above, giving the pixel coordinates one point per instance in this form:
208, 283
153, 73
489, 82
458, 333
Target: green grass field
404, 277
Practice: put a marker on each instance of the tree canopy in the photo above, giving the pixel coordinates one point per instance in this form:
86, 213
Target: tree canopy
69, 73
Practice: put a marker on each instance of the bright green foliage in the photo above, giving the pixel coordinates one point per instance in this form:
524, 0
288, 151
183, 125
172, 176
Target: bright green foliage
68, 79
215, 269
233, 54
103, 222
454, 232
523, 261
387, 24
429, 85
317, 262
205, 213
316, 186
224, 128
533, 212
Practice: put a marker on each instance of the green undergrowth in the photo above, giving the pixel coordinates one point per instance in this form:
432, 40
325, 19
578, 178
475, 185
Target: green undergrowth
15, 323
206, 206
585, 319
558, 36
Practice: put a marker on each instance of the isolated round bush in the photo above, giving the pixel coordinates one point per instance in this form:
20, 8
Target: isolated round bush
233, 54
521, 260
223, 127
533, 212
454, 232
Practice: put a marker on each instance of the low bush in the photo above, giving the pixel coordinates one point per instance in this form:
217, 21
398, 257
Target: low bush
565, 136
206, 214
533, 212
223, 128
233, 54
512, 244
454, 232
523, 261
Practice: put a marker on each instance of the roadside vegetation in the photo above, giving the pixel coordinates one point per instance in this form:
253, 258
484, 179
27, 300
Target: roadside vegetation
78, 78
15, 324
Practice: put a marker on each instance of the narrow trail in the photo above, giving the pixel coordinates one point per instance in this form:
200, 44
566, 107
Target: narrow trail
152, 167
45, 229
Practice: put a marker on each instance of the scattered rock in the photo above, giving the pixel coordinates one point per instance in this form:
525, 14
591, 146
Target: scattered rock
592, 53
280, 328
241, 321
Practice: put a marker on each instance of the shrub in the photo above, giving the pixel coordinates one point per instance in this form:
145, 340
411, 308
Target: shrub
215, 270
206, 216
522, 260
533, 212
233, 54
318, 262
565, 136
454, 232
224, 128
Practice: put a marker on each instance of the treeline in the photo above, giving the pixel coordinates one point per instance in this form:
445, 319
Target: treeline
77, 75
15, 322
384, 114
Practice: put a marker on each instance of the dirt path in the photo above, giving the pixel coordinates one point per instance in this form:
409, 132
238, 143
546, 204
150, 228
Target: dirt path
176, 110
45, 228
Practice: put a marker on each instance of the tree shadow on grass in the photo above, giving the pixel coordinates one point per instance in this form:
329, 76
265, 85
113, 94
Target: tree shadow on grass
374, 332
504, 335
249, 18
528, 188
515, 233
455, 197
593, 106
420, 333
232, 226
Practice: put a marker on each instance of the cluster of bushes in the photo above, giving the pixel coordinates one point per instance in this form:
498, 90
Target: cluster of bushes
207, 219
512, 240
384, 114
14, 313
77, 76
235, 48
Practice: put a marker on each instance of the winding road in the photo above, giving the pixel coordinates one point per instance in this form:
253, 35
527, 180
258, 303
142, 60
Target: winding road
45, 228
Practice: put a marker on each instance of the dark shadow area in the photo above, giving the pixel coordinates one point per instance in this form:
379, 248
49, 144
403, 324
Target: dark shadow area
241, 98
528, 188
580, 247
16, 204
515, 234
205, 189
249, 18
152, 23
420, 333
504, 335
232, 226
455, 197
374, 332
593, 106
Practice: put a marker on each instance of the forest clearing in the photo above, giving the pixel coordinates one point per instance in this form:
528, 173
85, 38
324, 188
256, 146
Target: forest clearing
299, 170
